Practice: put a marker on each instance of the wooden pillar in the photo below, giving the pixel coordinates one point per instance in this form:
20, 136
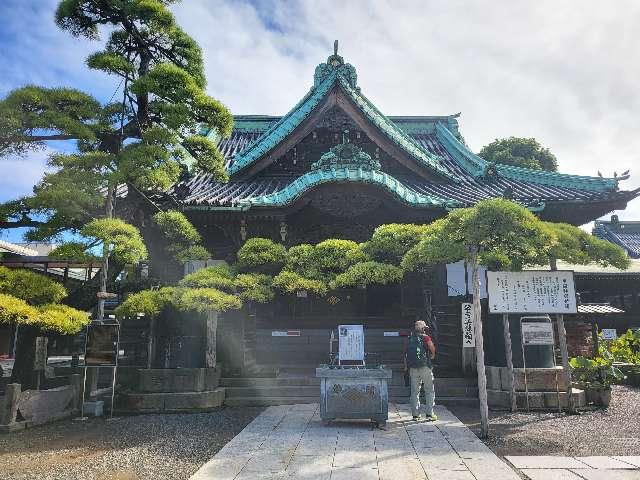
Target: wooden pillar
9, 408
594, 337
76, 382
508, 352
564, 352
477, 323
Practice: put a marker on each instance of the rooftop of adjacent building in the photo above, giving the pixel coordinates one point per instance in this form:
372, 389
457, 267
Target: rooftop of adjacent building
626, 234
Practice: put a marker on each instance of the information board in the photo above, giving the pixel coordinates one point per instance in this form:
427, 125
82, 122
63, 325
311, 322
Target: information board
537, 333
609, 333
102, 345
468, 330
531, 292
351, 343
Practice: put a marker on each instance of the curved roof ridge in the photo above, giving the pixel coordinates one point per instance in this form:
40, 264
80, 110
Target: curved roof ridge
394, 132
344, 77
309, 180
286, 125
477, 166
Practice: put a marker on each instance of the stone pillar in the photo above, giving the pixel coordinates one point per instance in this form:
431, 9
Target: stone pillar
9, 408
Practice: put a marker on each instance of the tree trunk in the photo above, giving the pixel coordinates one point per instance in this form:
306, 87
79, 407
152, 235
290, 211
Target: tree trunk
104, 273
477, 323
212, 330
23, 371
509, 356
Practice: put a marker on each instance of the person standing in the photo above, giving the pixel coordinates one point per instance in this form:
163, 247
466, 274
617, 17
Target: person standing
418, 358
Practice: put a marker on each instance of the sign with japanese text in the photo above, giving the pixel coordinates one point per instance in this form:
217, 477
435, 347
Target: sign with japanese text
468, 330
351, 343
531, 292
609, 333
537, 333
102, 345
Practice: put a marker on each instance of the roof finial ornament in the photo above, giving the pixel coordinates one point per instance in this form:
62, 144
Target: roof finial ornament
335, 47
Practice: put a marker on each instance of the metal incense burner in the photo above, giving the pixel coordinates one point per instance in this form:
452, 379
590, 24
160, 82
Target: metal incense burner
348, 387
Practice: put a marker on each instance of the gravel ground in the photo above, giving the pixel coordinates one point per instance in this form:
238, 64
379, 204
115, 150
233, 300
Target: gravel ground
615, 431
126, 448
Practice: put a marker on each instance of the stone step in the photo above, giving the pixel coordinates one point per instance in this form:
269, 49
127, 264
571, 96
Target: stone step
284, 381
277, 400
311, 390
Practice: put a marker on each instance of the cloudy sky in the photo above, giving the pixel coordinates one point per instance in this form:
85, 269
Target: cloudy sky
563, 72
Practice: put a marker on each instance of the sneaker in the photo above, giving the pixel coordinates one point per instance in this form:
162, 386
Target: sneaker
416, 418
432, 418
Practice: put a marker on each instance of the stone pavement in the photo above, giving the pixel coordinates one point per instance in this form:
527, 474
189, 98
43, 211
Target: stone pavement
290, 442
577, 468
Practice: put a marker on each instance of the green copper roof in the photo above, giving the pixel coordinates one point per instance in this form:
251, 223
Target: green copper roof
346, 162
478, 167
311, 179
326, 76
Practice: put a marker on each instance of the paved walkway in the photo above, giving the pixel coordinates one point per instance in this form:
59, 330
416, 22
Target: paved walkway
578, 468
290, 442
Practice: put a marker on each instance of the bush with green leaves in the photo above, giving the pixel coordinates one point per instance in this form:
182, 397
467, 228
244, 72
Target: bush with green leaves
625, 348
184, 243
76, 251
368, 273
389, 243
596, 374
121, 239
261, 255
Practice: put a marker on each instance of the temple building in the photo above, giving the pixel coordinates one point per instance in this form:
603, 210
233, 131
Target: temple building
336, 167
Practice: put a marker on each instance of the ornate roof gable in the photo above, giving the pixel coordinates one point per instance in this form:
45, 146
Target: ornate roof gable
327, 75
347, 162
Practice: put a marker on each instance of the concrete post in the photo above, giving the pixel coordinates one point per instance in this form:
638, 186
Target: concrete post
92, 381
9, 408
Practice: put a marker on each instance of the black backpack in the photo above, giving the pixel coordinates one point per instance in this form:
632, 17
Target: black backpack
417, 352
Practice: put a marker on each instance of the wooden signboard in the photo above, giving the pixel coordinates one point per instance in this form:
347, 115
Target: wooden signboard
102, 345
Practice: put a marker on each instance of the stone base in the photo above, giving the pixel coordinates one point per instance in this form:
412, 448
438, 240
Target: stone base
173, 380
176, 402
538, 379
500, 400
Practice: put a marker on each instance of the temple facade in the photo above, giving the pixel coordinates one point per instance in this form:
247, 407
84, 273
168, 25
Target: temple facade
337, 167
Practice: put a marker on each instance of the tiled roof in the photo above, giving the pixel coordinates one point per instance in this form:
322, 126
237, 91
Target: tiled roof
601, 308
434, 143
203, 190
624, 234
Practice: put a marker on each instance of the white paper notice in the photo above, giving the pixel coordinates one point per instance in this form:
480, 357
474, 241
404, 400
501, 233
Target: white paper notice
351, 343
537, 333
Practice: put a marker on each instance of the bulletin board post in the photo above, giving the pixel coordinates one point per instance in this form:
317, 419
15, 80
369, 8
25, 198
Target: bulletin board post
531, 292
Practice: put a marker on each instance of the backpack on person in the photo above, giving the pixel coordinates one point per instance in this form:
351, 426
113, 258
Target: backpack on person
418, 354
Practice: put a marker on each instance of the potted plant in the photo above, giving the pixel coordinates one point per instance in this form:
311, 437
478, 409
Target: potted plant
596, 377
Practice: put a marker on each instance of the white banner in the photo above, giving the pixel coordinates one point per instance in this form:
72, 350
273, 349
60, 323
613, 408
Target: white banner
537, 333
468, 330
351, 343
531, 292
